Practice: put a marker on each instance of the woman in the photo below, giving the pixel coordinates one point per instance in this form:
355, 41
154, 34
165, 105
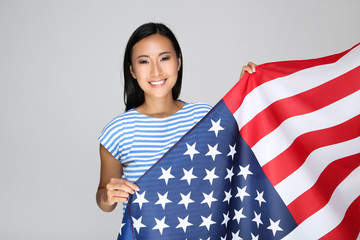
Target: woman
154, 119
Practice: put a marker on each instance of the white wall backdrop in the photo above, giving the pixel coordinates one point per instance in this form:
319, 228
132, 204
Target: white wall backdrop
60, 83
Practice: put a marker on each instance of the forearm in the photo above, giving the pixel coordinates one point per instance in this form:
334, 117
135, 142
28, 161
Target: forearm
102, 201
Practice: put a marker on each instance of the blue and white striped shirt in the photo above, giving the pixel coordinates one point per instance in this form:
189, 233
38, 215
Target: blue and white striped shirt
138, 141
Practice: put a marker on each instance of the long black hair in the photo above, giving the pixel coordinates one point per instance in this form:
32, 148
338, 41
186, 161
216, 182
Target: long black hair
133, 94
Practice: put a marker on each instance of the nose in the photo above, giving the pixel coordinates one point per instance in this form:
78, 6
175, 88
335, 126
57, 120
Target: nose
156, 70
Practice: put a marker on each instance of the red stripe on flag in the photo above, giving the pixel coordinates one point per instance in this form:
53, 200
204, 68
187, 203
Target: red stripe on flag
349, 228
319, 194
308, 101
281, 167
269, 71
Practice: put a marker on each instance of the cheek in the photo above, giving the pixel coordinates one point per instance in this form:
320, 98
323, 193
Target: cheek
139, 71
175, 67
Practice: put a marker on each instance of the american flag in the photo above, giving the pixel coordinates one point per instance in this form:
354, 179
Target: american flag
277, 158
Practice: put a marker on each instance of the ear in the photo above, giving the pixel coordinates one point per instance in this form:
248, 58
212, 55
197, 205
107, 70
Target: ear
132, 72
179, 62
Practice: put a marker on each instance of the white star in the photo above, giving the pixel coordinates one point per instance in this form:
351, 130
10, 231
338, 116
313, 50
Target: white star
230, 173
253, 237
239, 215
184, 223
166, 175
188, 175
160, 225
137, 224
163, 200
257, 219
223, 238
185, 199
191, 151
244, 171
210, 175
208, 198
213, 151
216, 127
228, 196
140, 199
260, 197
207, 222
274, 226
235, 236
242, 193
232, 151
122, 224
226, 219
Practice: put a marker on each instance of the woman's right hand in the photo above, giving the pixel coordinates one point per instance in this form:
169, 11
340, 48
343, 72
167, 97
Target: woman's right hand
112, 188
118, 190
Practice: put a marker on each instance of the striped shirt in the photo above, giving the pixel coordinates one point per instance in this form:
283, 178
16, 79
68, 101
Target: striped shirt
138, 141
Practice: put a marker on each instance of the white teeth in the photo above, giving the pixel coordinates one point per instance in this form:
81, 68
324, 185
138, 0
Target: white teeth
157, 83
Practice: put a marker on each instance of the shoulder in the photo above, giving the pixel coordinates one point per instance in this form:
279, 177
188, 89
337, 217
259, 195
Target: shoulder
118, 122
197, 110
199, 106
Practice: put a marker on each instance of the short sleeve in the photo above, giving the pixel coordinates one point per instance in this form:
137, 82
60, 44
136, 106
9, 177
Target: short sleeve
111, 137
202, 109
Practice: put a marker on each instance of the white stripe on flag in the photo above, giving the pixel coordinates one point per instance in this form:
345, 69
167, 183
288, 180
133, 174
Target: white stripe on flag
344, 110
293, 84
296, 184
327, 218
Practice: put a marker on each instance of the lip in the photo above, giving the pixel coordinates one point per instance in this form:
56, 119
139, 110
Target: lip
158, 83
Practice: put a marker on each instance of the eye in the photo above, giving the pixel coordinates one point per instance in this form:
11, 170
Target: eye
143, 61
165, 58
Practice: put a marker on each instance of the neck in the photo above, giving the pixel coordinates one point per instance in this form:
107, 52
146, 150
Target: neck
160, 107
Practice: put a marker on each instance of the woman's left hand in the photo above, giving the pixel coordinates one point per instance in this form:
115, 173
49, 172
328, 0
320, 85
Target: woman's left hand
250, 68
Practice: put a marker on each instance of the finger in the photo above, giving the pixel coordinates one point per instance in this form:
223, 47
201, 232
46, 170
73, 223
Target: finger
123, 185
248, 69
119, 194
244, 70
125, 182
252, 66
132, 185
116, 196
113, 200
126, 188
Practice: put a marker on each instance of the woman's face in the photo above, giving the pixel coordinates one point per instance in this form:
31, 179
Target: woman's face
155, 66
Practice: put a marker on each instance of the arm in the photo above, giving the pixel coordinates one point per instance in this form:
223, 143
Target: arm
112, 188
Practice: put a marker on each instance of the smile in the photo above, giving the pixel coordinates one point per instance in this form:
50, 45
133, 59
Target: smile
157, 83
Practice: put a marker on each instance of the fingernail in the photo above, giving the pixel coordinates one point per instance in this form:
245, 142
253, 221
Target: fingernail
137, 189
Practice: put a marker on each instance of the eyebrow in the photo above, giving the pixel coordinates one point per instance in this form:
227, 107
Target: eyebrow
149, 56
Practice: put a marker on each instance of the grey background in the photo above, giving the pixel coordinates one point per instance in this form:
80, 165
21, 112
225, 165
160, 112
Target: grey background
61, 82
